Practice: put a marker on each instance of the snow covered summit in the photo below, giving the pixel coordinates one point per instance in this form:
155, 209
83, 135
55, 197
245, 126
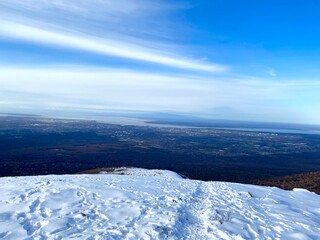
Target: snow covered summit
152, 206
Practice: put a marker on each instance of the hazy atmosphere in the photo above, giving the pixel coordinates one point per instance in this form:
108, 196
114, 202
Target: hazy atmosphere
202, 58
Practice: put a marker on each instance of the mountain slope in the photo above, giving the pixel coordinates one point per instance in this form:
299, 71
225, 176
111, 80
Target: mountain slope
309, 180
107, 206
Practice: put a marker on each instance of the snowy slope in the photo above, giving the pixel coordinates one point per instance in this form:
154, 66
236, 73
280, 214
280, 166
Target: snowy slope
142, 172
105, 206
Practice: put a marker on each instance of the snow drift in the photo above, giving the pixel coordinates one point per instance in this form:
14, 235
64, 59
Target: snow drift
152, 206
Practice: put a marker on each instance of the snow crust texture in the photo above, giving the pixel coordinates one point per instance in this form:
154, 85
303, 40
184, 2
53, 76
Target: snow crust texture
143, 172
107, 206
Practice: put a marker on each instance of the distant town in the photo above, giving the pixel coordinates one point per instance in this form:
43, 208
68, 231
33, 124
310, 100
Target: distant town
35, 145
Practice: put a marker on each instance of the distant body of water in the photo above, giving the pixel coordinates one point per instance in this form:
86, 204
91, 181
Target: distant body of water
271, 130
146, 122
154, 122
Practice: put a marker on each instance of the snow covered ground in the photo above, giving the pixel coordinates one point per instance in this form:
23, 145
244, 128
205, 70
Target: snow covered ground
164, 206
142, 172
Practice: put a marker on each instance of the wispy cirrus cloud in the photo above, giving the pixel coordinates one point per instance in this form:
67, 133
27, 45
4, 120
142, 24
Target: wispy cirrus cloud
101, 46
65, 24
272, 72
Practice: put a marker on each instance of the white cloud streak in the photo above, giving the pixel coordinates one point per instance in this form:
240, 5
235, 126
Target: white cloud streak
101, 27
100, 46
105, 89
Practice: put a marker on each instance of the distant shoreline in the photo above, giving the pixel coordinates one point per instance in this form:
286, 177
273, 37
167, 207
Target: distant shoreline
276, 128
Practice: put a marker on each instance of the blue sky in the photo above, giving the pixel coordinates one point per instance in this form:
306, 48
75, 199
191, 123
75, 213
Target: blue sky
241, 60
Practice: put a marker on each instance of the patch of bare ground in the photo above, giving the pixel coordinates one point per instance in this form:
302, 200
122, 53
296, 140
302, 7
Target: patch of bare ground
309, 181
114, 170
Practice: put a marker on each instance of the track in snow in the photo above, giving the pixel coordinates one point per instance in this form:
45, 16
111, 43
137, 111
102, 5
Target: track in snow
135, 207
